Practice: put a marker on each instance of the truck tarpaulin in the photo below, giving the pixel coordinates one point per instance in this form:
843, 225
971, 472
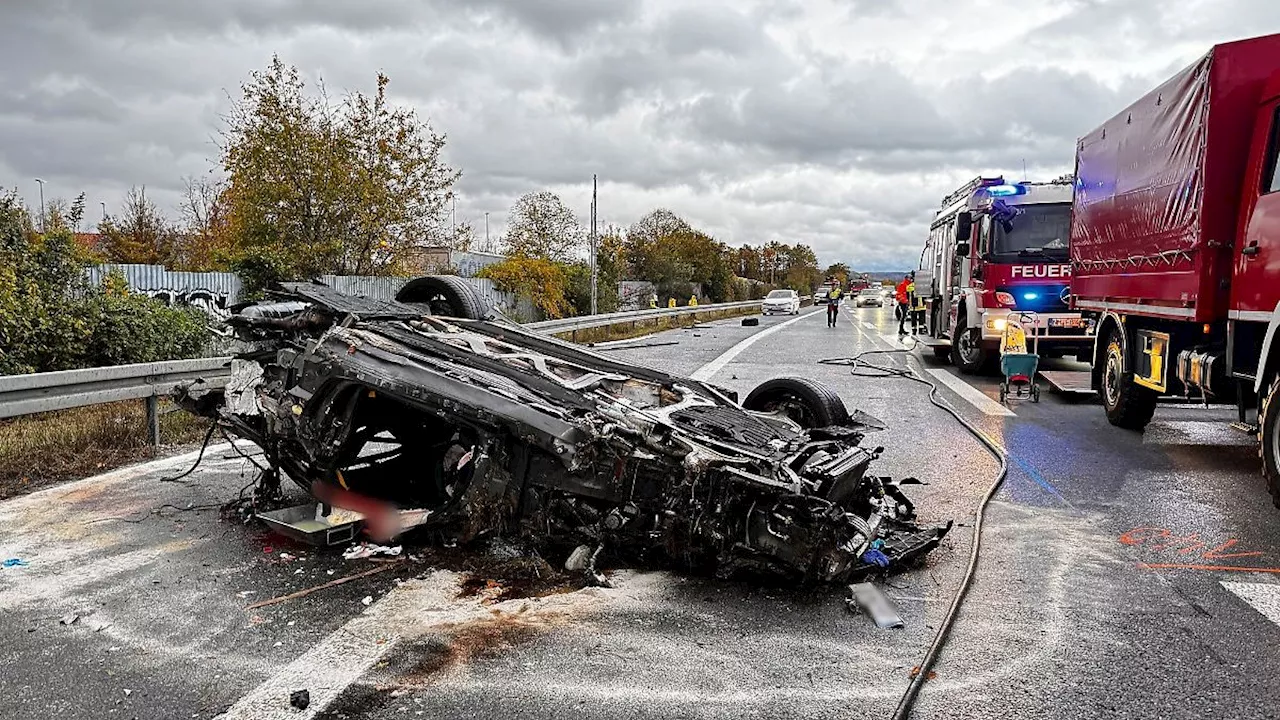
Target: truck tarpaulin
1158, 186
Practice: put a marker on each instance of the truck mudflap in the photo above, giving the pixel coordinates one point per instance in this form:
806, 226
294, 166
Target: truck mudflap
1050, 327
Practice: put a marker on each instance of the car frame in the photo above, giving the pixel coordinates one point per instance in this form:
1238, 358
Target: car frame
421, 416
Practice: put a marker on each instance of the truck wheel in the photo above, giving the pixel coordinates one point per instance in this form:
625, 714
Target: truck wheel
810, 403
1128, 404
1269, 439
967, 351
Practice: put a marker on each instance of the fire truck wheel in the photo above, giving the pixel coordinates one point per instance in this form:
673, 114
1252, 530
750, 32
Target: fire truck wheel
1269, 439
1128, 404
968, 354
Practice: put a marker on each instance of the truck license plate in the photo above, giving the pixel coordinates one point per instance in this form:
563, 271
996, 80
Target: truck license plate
1066, 322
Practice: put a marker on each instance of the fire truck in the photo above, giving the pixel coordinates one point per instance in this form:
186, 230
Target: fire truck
997, 248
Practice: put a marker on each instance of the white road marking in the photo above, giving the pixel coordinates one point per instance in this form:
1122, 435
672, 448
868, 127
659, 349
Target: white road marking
416, 608
868, 325
894, 340
971, 394
706, 372
1263, 597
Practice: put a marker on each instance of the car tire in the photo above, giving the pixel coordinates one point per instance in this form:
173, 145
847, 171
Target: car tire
447, 295
967, 351
808, 402
1128, 405
1269, 439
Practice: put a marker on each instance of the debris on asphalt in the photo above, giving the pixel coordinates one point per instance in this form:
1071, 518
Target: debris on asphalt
69, 619
127, 692
750, 322
867, 598
366, 550
477, 429
300, 699
15, 562
367, 600
308, 591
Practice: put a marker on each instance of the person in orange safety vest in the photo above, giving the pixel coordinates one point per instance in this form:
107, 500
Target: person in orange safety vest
903, 295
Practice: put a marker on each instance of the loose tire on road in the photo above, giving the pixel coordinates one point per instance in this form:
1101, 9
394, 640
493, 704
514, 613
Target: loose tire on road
1128, 405
967, 351
808, 402
1269, 439
447, 295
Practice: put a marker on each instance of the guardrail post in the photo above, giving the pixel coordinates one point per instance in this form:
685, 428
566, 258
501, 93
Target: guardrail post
153, 420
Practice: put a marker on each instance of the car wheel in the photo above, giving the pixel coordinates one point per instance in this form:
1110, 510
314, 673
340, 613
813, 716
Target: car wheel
1128, 405
808, 402
446, 295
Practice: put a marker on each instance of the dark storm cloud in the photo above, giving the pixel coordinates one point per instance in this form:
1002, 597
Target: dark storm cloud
794, 120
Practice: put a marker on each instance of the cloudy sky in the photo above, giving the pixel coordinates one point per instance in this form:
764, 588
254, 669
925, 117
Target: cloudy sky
837, 123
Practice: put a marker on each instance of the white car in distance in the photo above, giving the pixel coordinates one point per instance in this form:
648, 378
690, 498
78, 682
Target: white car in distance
781, 301
870, 297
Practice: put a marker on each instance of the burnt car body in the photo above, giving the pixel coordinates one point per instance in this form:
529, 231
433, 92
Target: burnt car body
474, 428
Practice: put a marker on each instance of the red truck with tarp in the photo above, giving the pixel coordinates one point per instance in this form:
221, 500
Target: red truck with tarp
1175, 244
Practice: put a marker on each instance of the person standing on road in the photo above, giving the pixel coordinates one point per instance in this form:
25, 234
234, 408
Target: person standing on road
903, 295
833, 307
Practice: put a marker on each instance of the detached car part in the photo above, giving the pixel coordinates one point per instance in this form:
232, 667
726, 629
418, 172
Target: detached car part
420, 414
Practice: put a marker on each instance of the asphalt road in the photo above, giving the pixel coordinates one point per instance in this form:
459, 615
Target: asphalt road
1123, 575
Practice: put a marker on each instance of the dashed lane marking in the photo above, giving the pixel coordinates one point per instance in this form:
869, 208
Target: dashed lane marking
971, 394
708, 371
1263, 597
868, 325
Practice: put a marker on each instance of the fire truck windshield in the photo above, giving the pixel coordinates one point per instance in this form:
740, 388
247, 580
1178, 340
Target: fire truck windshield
1034, 231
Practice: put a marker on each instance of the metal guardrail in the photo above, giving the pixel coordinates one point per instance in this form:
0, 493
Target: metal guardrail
43, 392
585, 322
66, 389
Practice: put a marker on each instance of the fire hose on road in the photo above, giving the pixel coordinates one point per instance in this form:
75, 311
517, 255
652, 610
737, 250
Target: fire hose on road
903, 711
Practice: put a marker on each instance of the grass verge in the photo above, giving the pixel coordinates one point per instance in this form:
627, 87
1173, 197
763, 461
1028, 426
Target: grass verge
47, 448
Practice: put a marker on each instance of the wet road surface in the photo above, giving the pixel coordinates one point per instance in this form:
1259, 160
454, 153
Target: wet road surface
1123, 575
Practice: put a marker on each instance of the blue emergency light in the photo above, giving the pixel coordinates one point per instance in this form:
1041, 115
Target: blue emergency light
1030, 296
1006, 190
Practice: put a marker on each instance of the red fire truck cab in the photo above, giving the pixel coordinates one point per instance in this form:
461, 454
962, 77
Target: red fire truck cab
997, 248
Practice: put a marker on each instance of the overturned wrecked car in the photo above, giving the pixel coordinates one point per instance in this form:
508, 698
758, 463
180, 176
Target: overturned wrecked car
420, 414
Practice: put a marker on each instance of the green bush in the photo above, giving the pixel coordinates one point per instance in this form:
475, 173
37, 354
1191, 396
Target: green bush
50, 319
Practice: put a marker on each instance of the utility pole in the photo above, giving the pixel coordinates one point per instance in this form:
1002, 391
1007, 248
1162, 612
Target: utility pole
455, 220
41, 204
487, 248
594, 241
104, 211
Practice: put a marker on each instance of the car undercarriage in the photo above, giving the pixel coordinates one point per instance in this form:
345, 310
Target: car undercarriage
428, 419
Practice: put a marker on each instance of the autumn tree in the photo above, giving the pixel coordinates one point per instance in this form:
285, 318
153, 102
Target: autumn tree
316, 186
138, 233
839, 272
205, 242
540, 225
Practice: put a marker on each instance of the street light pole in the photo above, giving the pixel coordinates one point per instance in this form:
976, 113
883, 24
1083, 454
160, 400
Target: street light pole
594, 248
486, 233
41, 204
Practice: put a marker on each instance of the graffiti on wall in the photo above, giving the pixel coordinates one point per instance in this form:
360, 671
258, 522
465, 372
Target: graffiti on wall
212, 303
